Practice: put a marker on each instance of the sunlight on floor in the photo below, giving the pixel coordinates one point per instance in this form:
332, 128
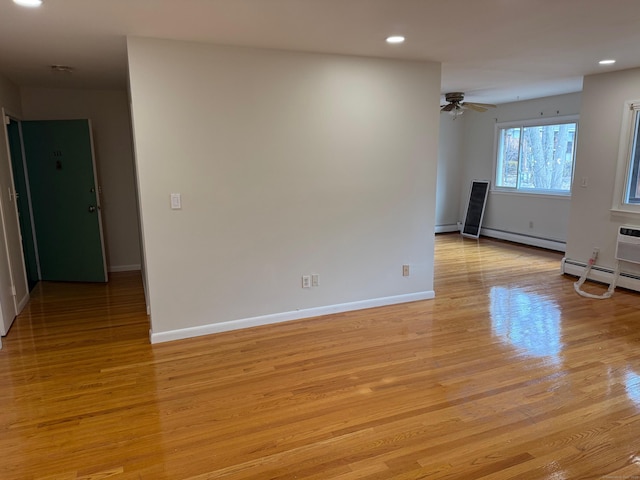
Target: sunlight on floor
528, 321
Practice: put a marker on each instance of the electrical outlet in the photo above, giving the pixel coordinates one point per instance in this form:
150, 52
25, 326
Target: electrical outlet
306, 281
405, 270
315, 280
530, 224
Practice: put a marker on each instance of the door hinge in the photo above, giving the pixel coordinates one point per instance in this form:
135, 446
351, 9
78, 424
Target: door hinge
13, 290
7, 119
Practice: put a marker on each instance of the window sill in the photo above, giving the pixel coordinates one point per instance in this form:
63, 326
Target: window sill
564, 196
621, 211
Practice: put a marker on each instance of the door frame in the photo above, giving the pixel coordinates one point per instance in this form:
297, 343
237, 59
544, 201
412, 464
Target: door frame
18, 304
98, 201
28, 190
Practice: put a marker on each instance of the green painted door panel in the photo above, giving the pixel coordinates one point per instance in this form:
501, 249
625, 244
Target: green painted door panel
22, 201
64, 199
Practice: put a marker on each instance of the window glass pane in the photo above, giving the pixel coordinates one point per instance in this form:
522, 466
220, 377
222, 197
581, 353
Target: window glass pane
547, 157
539, 158
633, 191
507, 162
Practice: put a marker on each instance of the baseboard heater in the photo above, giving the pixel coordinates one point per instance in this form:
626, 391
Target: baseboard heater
530, 240
575, 268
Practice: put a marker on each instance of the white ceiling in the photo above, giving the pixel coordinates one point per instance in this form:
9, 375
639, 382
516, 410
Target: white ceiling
494, 50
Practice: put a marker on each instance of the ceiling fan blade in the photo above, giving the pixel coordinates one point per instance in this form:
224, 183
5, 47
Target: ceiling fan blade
475, 106
486, 105
447, 108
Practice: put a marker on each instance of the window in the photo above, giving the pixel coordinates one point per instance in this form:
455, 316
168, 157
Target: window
627, 186
536, 157
632, 190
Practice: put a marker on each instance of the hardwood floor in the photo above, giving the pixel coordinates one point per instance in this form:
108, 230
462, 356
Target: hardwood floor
507, 374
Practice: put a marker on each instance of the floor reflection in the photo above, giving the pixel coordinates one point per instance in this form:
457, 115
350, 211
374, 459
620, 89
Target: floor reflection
632, 385
528, 321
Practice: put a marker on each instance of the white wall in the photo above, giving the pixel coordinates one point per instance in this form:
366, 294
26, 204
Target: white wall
449, 170
288, 164
10, 96
11, 262
108, 111
592, 224
512, 213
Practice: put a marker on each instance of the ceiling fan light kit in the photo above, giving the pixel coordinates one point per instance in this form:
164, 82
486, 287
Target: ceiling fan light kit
456, 106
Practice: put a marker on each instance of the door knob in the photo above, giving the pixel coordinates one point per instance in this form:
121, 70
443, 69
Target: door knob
92, 209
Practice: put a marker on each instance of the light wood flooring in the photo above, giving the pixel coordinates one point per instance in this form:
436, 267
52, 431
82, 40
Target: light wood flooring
507, 374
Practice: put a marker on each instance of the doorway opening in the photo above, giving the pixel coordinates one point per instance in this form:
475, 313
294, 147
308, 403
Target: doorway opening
57, 199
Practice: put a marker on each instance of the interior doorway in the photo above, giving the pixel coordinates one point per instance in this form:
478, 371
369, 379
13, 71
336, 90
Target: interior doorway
56, 185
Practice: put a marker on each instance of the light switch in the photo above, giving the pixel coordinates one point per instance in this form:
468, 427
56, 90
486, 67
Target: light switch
176, 201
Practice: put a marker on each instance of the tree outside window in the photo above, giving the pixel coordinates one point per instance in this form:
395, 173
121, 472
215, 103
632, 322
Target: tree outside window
536, 158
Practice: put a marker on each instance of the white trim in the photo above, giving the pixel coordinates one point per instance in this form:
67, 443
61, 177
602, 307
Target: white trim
529, 193
547, 243
124, 268
600, 274
556, 120
96, 186
23, 302
27, 182
447, 228
534, 122
624, 213
12, 262
285, 317
623, 164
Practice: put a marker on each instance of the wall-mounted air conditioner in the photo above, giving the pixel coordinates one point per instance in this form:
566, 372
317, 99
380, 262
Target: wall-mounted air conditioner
628, 246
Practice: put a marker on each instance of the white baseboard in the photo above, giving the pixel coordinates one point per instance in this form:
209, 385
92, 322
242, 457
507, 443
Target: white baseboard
525, 239
285, 317
23, 303
124, 268
600, 274
447, 228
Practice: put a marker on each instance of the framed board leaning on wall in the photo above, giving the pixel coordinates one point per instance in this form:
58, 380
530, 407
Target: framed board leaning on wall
475, 208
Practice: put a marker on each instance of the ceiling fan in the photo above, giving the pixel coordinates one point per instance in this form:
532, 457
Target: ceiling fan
456, 106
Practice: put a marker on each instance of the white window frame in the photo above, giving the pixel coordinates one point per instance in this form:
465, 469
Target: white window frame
625, 152
532, 123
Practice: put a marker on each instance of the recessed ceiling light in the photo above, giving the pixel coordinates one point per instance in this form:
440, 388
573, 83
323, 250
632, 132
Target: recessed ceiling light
28, 3
395, 39
607, 62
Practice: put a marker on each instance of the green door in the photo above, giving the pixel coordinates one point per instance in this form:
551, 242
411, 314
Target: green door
65, 202
22, 202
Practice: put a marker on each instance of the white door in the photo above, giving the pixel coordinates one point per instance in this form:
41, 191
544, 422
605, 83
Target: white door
14, 291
